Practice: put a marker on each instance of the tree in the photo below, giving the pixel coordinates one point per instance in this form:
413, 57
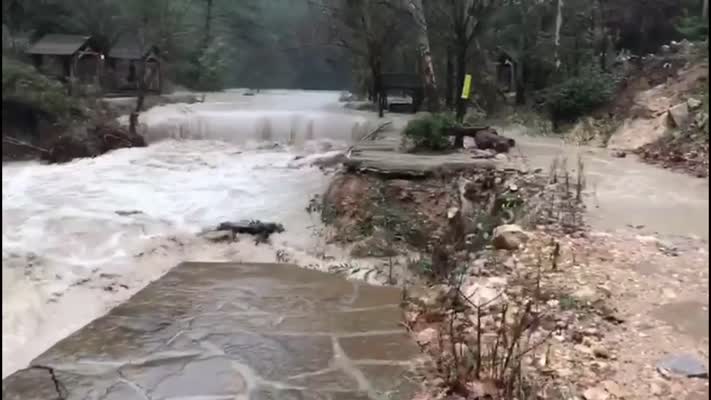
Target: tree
369, 31
520, 33
558, 25
464, 22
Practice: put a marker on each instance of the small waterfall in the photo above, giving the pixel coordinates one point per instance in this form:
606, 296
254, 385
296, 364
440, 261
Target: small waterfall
265, 130
294, 128
310, 130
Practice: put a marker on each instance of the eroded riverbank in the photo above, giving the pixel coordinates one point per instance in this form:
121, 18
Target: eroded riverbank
75, 248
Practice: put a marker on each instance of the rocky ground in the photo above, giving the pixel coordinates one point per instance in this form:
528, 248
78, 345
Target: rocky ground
544, 309
685, 152
602, 320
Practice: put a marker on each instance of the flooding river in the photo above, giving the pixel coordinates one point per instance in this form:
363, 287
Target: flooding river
73, 246
81, 237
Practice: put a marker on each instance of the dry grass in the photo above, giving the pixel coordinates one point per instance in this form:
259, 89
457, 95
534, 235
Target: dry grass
488, 351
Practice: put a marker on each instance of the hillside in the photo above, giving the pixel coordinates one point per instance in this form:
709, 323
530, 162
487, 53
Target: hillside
663, 113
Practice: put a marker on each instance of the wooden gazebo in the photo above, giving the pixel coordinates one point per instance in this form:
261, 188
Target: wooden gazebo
66, 57
123, 62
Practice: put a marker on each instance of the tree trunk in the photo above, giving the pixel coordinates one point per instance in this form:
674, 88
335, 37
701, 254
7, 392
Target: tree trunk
418, 13
461, 71
450, 79
705, 9
141, 74
600, 34
558, 25
378, 92
520, 83
143, 81
208, 22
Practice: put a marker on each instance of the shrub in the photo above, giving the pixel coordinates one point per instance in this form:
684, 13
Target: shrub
580, 95
430, 132
693, 28
212, 67
23, 84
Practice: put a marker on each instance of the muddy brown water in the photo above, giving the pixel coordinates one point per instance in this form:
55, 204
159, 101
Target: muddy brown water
624, 192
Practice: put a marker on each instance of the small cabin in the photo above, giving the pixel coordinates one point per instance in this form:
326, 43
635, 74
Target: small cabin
66, 57
124, 62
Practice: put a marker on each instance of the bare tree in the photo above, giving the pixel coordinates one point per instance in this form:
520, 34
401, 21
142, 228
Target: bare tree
418, 14
370, 31
464, 21
558, 25
141, 72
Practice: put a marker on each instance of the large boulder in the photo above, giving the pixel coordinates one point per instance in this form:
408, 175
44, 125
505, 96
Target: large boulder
693, 103
637, 132
484, 292
509, 237
679, 115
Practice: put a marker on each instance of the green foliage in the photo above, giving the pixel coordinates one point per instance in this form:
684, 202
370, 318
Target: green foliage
693, 28
430, 132
211, 67
568, 302
22, 83
581, 94
421, 266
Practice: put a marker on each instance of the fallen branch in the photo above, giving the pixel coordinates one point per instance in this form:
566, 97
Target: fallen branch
17, 142
367, 137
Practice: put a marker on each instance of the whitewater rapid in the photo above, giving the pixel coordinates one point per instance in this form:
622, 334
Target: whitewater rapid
81, 237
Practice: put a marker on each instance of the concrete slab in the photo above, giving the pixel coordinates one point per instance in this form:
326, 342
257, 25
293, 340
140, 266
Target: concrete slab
416, 165
238, 331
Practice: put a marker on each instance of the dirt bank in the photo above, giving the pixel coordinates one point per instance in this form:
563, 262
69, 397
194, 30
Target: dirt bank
369, 210
34, 135
662, 112
447, 225
566, 313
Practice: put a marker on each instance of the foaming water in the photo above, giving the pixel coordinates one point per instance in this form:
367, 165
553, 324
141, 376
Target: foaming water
295, 119
251, 128
79, 238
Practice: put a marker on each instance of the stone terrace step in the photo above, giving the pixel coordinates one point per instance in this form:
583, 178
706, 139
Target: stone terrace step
233, 330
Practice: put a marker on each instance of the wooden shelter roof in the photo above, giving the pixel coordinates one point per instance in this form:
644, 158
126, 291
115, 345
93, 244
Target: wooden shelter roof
127, 48
58, 44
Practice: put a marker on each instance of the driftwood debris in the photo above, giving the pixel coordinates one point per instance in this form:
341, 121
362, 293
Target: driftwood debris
262, 230
485, 138
369, 136
20, 143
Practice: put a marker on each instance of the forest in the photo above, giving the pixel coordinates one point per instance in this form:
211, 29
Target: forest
205, 44
564, 45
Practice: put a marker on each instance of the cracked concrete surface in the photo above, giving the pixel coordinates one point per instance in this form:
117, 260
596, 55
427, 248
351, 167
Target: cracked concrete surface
233, 331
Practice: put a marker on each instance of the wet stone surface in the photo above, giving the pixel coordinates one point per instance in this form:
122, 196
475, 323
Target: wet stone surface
233, 331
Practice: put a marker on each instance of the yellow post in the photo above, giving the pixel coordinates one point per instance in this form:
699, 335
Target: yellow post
467, 87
